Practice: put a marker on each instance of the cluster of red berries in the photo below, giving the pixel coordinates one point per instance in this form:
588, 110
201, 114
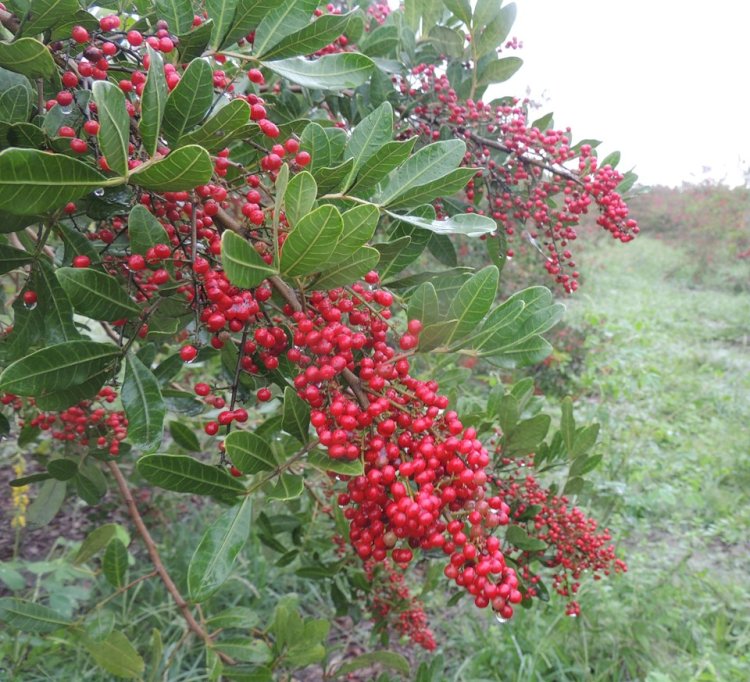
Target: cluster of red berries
90, 423
575, 542
544, 181
424, 484
392, 604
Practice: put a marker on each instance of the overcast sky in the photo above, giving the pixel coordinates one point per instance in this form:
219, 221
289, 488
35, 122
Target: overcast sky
666, 82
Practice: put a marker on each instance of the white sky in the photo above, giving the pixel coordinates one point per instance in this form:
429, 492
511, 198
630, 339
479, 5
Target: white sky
666, 82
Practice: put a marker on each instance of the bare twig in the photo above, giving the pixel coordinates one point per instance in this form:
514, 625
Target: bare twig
159, 567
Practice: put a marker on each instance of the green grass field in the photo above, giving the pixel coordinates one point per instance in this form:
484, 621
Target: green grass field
667, 373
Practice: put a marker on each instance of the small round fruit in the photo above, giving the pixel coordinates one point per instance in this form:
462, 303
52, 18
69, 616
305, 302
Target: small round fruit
188, 353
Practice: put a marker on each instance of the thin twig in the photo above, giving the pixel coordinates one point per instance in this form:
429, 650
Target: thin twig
153, 552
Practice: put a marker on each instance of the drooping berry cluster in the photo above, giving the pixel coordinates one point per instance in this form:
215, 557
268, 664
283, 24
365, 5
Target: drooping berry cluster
90, 423
576, 544
527, 175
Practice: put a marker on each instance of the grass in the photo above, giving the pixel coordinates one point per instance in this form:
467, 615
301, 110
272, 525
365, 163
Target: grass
667, 373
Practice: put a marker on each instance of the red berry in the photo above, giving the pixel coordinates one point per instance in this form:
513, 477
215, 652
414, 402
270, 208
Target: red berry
303, 158
91, 127
81, 261
78, 145
136, 262
235, 471
256, 76
80, 34
135, 38
188, 353
202, 389
64, 98
211, 428
66, 131
264, 395
29, 297
69, 79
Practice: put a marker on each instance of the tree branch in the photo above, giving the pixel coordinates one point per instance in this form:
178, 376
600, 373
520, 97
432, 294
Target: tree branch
153, 553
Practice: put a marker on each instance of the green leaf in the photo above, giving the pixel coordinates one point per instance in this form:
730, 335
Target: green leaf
360, 223
187, 475
214, 557
430, 163
184, 169
144, 230
228, 123
334, 179
247, 16
499, 70
48, 501
249, 452
369, 135
62, 469
44, 14
144, 406
473, 301
423, 304
15, 104
114, 125
330, 72
100, 623
29, 57
311, 38
526, 435
184, 436
27, 616
494, 333
585, 440
58, 367
90, 482
285, 487
96, 294
193, 44
520, 538
447, 41
221, 12
283, 20
115, 563
397, 254
346, 467
11, 258
442, 248
295, 415
98, 539
496, 31
460, 9
444, 187
308, 245
325, 145
349, 270
177, 13
388, 659
153, 102
508, 413
32, 181
242, 264
116, 655
188, 103
299, 197
435, 335
527, 352
383, 161
380, 42
54, 309
240, 617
